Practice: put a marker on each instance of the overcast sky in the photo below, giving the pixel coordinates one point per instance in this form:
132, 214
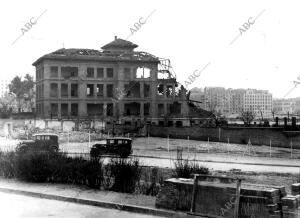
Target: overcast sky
190, 33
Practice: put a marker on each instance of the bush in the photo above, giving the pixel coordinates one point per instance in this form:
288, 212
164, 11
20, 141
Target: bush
151, 183
7, 164
51, 167
184, 168
125, 173
33, 167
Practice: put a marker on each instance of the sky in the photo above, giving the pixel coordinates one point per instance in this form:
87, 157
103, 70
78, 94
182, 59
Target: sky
240, 44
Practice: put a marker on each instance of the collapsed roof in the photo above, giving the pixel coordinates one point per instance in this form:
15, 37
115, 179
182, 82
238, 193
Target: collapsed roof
117, 50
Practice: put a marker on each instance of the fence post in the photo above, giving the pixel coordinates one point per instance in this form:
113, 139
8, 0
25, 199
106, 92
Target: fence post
291, 149
228, 145
188, 138
168, 143
237, 201
270, 148
208, 144
148, 139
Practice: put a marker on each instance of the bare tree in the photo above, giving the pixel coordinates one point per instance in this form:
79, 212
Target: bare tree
247, 117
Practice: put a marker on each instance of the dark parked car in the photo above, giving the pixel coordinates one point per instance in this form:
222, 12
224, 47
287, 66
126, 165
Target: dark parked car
119, 146
42, 142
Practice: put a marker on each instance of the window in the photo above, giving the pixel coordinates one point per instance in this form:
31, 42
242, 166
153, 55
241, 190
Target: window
109, 89
110, 72
53, 72
64, 109
74, 90
64, 90
74, 109
109, 109
68, 72
100, 73
90, 72
160, 109
53, 90
100, 90
90, 90
146, 90
146, 109
142, 72
54, 109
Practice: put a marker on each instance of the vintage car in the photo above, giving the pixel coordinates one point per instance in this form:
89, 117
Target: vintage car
119, 146
42, 142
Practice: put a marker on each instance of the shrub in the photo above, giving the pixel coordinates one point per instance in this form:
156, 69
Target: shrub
93, 173
7, 164
51, 167
34, 167
125, 173
151, 182
184, 168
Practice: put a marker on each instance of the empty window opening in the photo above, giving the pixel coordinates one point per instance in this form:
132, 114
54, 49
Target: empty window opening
110, 90
110, 72
133, 90
169, 91
132, 109
170, 123
100, 90
146, 90
64, 109
89, 90
69, 72
53, 72
54, 109
64, 90
178, 123
74, 109
100, 72
110, 109
94, 109
127, 73
142, 72
160, 109
146, 109
90, 72
53, 90
161, 123
160, 89
174, 108
74, 90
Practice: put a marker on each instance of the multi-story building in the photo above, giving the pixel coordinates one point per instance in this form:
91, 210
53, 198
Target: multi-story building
258, 101
217, 99
113, 83
237, 101
282, 107
231, 102
4, 87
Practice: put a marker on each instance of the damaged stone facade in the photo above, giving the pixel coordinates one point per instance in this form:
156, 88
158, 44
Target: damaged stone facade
115, 83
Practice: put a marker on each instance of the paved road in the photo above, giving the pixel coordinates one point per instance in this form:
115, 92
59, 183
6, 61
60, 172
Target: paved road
224, 163
17, 206
253, 167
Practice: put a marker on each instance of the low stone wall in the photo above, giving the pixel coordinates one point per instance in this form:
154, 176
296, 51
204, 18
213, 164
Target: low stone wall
239, 135
216, 198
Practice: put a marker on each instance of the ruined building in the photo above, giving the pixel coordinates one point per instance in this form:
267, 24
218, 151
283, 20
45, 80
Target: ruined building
115, 83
